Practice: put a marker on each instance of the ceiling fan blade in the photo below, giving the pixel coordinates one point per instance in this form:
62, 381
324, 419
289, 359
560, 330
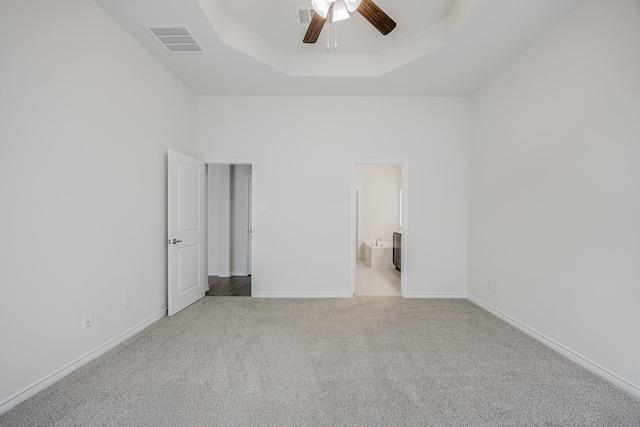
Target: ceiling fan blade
315, 27
372, 13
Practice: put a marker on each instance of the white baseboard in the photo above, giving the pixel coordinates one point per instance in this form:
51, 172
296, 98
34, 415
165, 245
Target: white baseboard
580, 360
232, 274
31, 390
435, 295
301, 295
38, 386
460, 295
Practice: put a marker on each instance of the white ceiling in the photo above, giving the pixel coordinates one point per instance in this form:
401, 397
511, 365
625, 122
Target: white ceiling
276, 22
254, 47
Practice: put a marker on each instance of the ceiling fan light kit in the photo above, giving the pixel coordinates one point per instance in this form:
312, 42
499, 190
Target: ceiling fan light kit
321, 7
339, 10
352, 5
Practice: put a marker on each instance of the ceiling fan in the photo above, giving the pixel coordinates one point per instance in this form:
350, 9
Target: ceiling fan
339, 10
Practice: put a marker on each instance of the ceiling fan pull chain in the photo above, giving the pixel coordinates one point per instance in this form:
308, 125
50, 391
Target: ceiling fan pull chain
328, 40
335, 46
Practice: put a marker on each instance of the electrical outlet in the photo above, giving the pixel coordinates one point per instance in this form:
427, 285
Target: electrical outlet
87, 319
490, 284
127, 303
310, 274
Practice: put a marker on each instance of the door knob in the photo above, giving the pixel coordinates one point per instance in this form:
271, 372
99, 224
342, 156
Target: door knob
176, 241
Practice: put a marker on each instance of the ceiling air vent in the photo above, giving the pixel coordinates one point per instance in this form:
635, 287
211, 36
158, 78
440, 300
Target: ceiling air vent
176, 38
305, 14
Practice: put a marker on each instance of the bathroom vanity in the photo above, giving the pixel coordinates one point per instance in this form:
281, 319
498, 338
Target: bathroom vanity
397, 249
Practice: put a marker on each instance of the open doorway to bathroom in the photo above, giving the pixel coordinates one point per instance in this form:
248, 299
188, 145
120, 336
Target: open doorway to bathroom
378, 228
229, 229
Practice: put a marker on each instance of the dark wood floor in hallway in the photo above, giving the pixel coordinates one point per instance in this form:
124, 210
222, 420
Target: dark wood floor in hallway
237, 286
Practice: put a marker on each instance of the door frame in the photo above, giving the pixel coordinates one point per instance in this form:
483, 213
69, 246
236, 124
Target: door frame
248, 220
253, 209
405, 222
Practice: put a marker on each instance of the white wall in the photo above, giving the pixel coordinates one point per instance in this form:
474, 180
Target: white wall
224, 221
555, 187
379, 186
302, 173
213, 176
86, 118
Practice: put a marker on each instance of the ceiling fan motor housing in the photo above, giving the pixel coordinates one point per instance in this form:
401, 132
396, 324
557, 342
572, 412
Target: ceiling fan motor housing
367, 8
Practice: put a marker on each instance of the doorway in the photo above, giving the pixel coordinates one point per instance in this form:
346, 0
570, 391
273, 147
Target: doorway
229, 229
379, 223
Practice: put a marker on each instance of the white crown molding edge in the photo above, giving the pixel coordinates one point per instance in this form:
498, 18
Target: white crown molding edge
246, 41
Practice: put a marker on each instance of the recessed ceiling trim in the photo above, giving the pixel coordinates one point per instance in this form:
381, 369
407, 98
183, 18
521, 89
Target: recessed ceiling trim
422, 44
175, 38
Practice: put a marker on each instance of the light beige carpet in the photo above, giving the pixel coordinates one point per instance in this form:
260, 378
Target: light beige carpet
230, 361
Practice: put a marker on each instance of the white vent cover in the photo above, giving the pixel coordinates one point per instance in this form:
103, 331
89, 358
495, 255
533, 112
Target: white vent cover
176, 38
305, 14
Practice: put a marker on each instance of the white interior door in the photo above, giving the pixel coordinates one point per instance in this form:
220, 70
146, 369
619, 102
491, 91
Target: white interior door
186, 231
